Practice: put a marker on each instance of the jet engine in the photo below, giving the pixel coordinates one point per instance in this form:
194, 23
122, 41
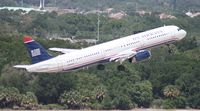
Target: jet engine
140, 56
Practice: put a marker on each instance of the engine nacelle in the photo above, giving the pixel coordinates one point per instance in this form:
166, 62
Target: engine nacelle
140, 56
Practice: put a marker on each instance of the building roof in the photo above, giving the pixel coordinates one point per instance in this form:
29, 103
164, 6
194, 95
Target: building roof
192, 15
21, 8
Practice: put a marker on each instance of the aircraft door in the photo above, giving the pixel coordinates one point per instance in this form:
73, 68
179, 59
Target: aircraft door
173, 35
60, 65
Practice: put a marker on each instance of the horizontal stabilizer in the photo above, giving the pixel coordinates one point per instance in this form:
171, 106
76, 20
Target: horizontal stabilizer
63, 50
22, 66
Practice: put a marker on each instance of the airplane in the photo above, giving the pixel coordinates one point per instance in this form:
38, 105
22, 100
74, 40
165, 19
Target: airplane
133, 48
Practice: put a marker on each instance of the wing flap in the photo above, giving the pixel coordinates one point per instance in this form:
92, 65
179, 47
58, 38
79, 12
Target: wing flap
123, 56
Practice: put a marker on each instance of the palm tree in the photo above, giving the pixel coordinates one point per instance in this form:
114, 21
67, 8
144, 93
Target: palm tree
171, 91
29, 101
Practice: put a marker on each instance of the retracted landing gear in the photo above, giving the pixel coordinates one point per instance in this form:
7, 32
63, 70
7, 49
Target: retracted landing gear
169, 49
121, 68
100, 67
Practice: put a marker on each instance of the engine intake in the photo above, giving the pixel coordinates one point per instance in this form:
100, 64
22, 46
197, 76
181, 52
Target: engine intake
140, 56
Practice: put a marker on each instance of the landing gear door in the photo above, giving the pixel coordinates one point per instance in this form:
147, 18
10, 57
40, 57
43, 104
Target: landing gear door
173, 35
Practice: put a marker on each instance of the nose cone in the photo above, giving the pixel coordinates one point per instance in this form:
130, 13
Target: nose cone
183, 33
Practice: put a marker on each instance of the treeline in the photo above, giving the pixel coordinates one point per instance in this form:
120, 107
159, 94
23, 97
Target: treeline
170, 79
126, 5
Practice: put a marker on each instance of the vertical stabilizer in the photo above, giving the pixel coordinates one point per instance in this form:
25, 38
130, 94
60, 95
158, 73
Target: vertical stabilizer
36, 51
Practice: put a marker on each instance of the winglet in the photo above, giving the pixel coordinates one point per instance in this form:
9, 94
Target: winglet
27, 39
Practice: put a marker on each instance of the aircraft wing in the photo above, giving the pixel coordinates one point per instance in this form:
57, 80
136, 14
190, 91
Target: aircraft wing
122, 56
63, 50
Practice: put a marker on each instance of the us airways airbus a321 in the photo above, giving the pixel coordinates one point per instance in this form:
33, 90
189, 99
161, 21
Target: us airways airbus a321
133, 48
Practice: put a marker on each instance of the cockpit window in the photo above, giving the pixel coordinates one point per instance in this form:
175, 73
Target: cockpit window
179, 29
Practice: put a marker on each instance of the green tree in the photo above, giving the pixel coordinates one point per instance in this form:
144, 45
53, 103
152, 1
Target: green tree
7, 3
142, 94
50, 87
189, 85
9, 97
20, 79
88, 93
29, 101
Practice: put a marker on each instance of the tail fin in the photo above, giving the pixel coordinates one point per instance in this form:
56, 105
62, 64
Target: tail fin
36, 51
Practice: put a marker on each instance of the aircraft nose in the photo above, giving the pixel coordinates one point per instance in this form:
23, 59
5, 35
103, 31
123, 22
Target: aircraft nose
184, 33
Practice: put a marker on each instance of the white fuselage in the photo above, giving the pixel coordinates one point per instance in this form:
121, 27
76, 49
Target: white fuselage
105, 51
